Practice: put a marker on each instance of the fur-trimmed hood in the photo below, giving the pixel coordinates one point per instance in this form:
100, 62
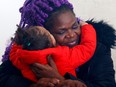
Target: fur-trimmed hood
106, 34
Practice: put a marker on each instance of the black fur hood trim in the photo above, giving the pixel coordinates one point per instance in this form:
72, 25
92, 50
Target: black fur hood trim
106, 34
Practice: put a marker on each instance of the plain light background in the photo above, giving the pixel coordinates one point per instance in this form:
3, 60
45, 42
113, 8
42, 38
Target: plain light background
85, 9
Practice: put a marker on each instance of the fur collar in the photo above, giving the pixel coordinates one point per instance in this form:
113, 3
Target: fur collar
106, 34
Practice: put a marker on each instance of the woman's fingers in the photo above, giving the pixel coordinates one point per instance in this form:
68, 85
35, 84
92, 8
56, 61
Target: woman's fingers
43, 70
71, 83
51, 63
40, 66
40, 70
47, 82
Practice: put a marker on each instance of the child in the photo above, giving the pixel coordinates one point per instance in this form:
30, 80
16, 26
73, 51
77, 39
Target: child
66, 59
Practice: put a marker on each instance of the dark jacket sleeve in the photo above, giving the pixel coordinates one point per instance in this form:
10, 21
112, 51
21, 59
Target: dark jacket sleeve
11, 77
98, 72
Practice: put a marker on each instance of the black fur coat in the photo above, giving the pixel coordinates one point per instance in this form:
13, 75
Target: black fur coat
98, 71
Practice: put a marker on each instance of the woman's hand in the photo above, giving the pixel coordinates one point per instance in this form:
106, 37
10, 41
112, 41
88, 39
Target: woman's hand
46, 71
52, 82
46, 82
71, 83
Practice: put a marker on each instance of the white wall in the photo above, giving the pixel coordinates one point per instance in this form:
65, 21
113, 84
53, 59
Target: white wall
9, 17
85, 9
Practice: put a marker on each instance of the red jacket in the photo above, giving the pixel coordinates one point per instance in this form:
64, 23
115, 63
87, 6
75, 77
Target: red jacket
66, 59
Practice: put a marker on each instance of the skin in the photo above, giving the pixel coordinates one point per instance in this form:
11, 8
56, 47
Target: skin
56, 80
66, 31
42, 30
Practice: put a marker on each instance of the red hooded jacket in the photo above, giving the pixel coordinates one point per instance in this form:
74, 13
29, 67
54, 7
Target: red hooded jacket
66, 59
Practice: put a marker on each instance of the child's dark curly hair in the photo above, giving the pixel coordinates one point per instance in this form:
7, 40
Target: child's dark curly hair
32, 38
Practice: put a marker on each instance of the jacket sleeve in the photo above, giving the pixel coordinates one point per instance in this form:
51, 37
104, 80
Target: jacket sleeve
75, 56
81, 53
11, 77
98, 72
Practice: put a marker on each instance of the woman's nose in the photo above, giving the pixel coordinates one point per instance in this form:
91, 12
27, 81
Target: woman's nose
70, 34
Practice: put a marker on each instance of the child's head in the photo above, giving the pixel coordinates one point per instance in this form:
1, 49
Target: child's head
34, 38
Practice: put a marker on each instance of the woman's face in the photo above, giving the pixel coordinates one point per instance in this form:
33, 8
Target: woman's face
66, 29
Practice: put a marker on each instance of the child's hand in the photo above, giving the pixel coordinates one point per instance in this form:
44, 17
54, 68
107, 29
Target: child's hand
82, 23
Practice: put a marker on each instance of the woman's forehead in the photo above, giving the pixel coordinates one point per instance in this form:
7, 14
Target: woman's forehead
64, 20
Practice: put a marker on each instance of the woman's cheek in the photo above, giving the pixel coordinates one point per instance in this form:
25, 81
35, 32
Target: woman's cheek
59, 39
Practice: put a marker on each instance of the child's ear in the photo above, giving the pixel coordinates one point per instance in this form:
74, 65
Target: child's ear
53, 40
44, 31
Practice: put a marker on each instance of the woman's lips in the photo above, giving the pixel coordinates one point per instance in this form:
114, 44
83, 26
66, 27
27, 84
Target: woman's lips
72, 43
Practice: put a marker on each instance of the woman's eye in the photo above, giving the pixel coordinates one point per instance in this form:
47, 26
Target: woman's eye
75, 27
61, 32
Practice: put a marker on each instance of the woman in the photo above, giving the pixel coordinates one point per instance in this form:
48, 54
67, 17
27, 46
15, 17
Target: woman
58, 17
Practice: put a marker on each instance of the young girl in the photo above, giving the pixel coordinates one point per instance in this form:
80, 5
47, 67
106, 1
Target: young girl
37, 38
